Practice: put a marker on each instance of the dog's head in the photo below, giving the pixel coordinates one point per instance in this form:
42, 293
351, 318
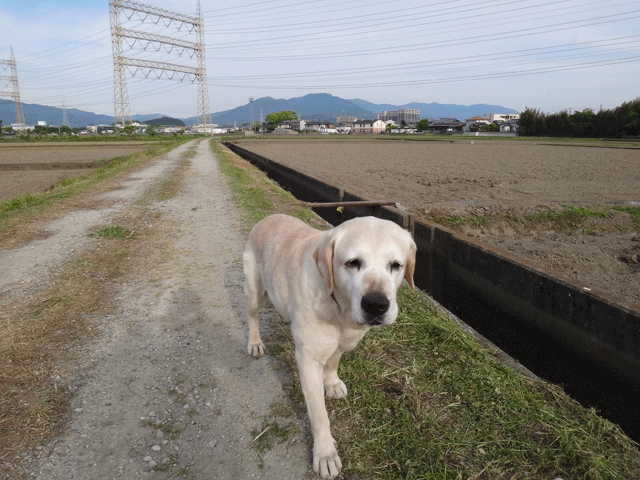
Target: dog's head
363, 262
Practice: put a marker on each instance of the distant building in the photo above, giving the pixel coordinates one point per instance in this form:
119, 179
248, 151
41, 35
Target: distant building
345, 120
475, 123
297, 125
369, 126
510, 126
444, 125
410, 116
504, 117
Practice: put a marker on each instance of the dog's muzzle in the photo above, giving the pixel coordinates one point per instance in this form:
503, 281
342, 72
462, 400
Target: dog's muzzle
375, 305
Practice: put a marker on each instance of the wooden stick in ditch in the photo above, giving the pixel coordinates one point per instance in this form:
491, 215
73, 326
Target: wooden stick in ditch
362, 203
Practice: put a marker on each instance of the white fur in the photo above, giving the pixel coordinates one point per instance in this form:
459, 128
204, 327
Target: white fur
317, 281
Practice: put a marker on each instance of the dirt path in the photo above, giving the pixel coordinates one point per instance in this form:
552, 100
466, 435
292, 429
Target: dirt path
167, 390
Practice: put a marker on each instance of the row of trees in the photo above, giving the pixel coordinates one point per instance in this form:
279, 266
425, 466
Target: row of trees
617, 123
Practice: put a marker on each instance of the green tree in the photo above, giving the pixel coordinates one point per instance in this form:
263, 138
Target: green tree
275, 119
632, 122
129, 129
152, 130
492, 127
423, 124
40, 130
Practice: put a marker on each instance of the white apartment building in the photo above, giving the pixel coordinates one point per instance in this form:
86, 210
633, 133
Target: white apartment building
505, 117
410, 116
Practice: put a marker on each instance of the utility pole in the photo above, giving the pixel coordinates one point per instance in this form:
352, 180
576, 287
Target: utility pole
251, 99
15, 94
154, 42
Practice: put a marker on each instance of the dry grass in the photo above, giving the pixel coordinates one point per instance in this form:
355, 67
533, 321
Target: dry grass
41, 333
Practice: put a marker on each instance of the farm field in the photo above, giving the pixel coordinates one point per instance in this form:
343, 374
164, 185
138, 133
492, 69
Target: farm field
31, 168
566, 210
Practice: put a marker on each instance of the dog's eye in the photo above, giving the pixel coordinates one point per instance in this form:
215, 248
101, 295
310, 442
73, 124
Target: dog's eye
354, 263
394, 266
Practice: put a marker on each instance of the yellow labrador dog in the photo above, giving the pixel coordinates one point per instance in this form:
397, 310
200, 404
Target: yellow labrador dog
333, 286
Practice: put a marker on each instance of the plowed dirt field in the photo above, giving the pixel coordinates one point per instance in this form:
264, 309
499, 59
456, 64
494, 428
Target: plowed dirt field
31, 168
571, 210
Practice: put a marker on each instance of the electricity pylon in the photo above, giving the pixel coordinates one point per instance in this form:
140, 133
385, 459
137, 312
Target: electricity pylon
15, 95
153, 41
65, 120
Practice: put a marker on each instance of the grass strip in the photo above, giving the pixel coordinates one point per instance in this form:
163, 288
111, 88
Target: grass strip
435, 404
427, 402
568, 212
255, 194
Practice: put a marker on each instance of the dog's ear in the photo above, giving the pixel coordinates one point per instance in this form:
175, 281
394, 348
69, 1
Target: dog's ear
411, 264
324, 260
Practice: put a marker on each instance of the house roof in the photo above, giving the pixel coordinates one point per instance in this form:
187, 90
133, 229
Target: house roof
446, 121
475, 119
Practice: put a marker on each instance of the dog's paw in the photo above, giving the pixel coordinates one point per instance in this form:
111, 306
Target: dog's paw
337, 390
327, 464
256, 349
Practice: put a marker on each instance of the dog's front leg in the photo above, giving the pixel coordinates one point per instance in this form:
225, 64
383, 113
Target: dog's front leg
326, 461
334, 387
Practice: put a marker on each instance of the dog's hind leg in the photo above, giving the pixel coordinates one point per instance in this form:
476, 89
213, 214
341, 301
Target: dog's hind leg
254, 294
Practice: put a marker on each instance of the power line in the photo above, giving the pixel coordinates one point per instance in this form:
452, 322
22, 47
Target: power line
494, 75
465, 60
563, 26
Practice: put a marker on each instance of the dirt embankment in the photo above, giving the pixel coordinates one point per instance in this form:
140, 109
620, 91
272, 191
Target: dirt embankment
500, 192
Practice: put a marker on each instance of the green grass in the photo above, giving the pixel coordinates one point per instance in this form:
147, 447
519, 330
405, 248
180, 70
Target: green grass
112, 231
257, 196
169, 430
568, 212
567, 219
271, 433
634, 211
252, 200
426, 401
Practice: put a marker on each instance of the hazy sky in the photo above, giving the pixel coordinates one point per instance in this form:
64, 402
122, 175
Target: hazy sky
553, 55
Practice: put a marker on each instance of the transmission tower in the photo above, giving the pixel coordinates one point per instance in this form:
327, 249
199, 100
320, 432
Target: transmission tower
65, 120
13, 80
123, 10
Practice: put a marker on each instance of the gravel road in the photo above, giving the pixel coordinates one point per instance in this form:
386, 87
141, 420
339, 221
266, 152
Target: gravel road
167, 390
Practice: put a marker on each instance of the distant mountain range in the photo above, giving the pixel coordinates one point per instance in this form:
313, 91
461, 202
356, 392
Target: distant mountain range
322, 106
316, 106
34, 113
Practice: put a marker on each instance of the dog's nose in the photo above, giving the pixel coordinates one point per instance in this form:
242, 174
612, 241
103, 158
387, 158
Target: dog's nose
375, 304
